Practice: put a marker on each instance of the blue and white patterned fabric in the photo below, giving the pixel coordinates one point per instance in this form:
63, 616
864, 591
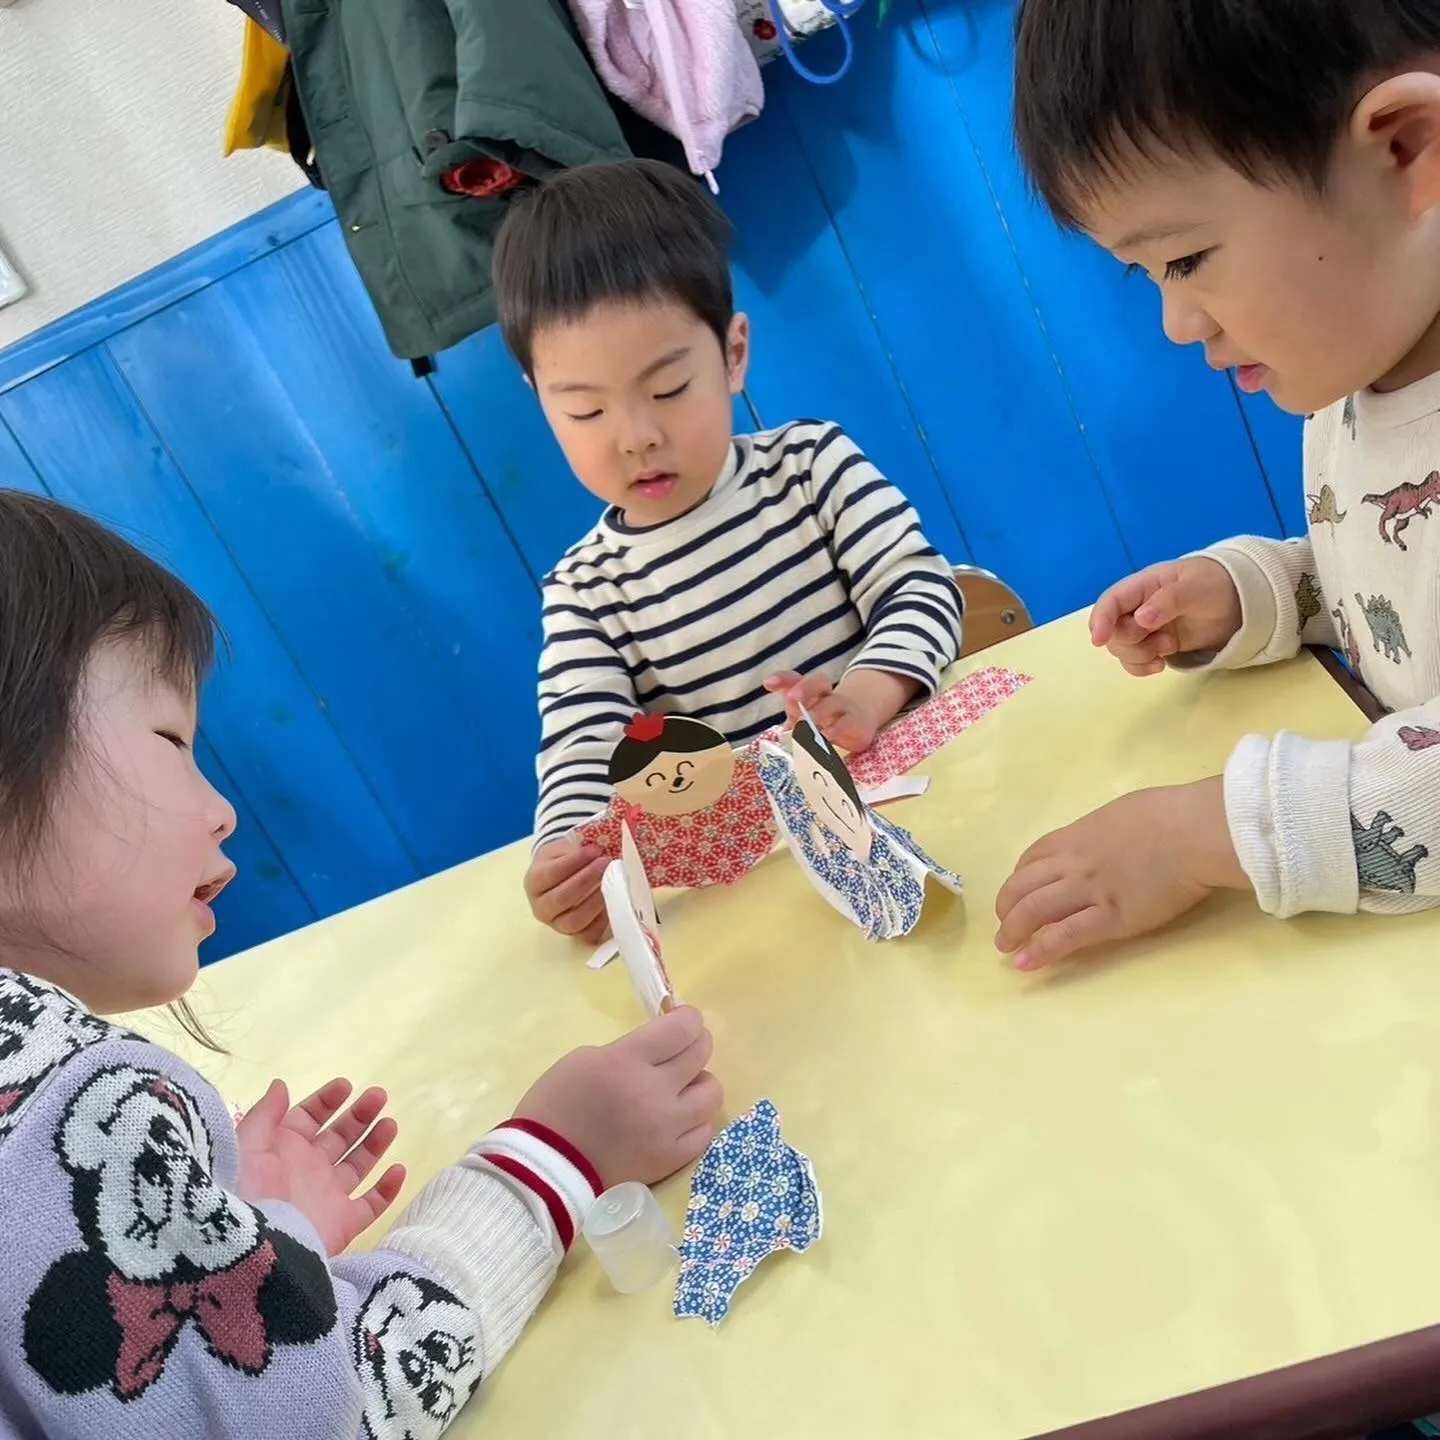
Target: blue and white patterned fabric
884, 897
751, 1195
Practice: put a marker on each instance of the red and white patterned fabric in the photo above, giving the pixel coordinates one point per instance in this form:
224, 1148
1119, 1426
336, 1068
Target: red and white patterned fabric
917, 735
715, 846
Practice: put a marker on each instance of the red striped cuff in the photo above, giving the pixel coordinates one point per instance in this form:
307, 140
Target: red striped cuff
557, 1141
549, 1168
559, 1212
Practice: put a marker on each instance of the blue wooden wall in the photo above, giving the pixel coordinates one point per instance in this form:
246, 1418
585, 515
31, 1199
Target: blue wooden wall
372, 544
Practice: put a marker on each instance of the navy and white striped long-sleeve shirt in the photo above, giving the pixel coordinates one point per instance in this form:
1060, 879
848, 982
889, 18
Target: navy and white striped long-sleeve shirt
803, 557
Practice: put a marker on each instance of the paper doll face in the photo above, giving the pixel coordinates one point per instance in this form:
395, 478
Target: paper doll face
828, 796
675, 783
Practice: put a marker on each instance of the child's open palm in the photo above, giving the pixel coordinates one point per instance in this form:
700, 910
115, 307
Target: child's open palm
315, 1158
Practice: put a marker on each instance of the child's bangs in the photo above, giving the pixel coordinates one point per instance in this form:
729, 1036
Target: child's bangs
175, 631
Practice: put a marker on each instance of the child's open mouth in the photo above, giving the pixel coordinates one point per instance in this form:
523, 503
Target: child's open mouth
207, 893
1251, 378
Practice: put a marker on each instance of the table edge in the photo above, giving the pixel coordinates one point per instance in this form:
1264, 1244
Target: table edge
1345, 678
1372, 1386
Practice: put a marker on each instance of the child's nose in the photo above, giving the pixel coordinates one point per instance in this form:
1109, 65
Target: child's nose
1186, 323
222, 817
641, 433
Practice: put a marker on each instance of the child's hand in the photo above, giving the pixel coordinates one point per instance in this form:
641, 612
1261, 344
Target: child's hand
1179, 608
315, 1162
563, 885
844, 719
640, 1108
1125, 870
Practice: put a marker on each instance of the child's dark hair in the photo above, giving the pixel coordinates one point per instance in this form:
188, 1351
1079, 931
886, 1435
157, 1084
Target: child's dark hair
1265, 85
634, 230
67, 584
650, 735
829, 760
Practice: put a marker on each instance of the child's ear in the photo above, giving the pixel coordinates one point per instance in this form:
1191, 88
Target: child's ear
1403, 115
737, 352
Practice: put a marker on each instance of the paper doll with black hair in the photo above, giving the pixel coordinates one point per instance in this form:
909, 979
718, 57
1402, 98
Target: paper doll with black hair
873, 872
694, 805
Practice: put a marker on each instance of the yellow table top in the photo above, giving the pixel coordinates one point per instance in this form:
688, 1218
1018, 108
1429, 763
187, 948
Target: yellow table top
1046, 1199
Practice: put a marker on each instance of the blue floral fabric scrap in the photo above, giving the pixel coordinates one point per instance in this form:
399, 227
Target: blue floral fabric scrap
751, 1195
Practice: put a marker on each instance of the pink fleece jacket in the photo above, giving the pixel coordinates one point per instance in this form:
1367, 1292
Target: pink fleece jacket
683, 64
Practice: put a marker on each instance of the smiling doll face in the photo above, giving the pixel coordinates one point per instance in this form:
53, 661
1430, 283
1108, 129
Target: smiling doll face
830, 791
671, 765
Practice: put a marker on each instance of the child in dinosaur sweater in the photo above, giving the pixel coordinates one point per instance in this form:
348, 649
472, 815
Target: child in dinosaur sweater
1275, 170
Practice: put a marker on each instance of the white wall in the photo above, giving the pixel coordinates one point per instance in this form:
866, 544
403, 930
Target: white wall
112, 117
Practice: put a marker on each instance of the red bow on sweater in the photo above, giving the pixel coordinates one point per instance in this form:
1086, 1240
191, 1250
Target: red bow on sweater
224, 1307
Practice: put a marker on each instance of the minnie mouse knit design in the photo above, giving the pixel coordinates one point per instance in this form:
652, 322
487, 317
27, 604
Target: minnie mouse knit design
167, 1250
141, 1297
41, 1028
418, 1349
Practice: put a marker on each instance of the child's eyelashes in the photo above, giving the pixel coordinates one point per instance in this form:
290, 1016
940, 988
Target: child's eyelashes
1181, 269
674, 394
1186, 265
178, 741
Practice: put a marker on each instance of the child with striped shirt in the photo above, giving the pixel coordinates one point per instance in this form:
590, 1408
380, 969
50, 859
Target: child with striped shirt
731, 578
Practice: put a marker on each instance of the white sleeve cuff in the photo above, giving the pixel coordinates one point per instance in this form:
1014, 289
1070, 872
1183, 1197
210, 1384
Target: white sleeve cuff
1259, 614
476, 1237
1288, 805
554, 1180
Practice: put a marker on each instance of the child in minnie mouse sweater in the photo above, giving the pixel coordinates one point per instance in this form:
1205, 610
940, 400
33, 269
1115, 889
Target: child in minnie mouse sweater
166, 1273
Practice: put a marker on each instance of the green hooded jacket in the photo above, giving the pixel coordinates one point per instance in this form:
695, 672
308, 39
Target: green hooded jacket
398, 92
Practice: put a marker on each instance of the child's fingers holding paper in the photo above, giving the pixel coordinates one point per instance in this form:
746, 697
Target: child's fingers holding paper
810, 691
800, 692
557, 862
829, 712
597, 931
584, 920
782, 680
690, 1063
565, 882
700, 1101
668, 1036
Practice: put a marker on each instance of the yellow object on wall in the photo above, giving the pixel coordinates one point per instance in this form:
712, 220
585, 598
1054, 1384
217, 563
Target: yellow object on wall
257, 113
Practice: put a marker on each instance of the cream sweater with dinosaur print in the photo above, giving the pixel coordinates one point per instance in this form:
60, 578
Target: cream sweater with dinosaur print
1327, 825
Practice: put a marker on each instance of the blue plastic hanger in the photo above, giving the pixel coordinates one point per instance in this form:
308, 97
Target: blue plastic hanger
842, 10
